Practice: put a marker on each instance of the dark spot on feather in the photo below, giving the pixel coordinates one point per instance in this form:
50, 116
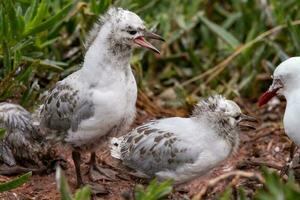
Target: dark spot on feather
147, 132
49, 100
170, 161
183, 150
173, 154
129, 139
175, 150
64, 97
141, 129
55, 94
167, 135
136, 140
172, 140
130, 147
166, 143
152, 148
142, 151
93, 85
57, 103
158, 138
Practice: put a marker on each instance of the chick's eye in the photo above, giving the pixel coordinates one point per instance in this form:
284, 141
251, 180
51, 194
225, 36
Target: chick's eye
132, 32
237, 117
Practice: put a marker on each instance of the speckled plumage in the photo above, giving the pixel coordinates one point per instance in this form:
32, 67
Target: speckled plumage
99, 99
22, 144
182, 148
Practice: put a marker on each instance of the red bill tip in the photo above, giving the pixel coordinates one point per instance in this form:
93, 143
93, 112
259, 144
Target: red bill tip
265, 97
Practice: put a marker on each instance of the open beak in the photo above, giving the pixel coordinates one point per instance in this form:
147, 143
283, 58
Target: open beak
272, 91
246, 118
141, 41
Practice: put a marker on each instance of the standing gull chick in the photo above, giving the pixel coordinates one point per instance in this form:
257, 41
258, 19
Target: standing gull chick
99, 99
286, 82
183, 148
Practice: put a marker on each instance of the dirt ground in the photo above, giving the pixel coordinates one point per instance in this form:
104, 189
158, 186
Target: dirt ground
267, 145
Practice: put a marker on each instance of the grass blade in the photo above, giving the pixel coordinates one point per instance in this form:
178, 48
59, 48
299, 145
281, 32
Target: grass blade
62, 185
15, 183
31, 11
221, 32
49, 23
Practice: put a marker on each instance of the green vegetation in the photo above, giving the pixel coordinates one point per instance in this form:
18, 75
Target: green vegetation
63, 187
229, 47
17, 182
154, 191
273, 188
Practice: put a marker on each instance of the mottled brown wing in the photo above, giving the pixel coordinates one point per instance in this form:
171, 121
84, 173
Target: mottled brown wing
65, 107
149, 150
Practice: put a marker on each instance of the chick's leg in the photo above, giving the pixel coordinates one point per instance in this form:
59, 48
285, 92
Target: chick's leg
98, 172
76, 159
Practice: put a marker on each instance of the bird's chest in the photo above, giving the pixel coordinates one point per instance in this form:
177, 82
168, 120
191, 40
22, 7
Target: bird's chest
115, 102
291, 123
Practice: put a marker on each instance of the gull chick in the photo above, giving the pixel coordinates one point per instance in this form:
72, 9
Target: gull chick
99, 99
183, 148
286, 82
22, 148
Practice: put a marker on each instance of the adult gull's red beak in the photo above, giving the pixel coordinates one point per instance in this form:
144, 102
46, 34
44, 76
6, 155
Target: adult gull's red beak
272, 91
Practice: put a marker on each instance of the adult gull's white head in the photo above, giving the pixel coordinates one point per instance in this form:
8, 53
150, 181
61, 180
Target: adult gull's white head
286, 79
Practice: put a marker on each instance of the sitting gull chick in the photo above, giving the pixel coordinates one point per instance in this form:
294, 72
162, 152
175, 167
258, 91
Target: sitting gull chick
183, 148
22, 148
99, 99
286, 82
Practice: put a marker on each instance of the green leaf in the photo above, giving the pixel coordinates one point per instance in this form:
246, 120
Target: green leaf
17, 59
220, 32
2, 132
12, 16
294, 33
62, 185
15, 182
38, 17
46, 64
6, 56
83, 194
227, 194
31, 11
154, 191
49, 22
275, 188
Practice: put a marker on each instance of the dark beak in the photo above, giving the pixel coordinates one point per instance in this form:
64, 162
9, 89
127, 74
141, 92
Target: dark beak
141, 41
246, 118
153, 36
272, 91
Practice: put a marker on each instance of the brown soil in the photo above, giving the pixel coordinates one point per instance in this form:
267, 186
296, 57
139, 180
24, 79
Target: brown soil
266, 146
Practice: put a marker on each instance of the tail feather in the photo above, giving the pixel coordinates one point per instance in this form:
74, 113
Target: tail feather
115, 147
